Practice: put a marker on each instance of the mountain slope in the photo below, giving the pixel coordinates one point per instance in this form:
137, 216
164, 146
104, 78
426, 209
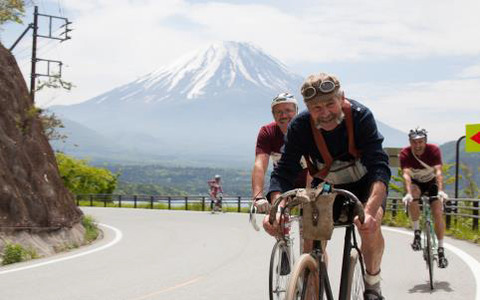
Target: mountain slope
207, 105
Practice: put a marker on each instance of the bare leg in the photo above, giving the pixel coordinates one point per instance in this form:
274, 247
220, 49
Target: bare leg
438, 217
373, 245
414, 208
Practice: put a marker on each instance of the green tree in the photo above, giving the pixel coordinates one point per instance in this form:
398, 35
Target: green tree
11, 10
81, 178
470, 186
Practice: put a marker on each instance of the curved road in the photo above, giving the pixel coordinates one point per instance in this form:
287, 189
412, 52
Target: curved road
158, 254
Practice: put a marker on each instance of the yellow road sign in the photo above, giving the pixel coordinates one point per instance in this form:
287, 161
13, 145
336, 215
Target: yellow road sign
472, 138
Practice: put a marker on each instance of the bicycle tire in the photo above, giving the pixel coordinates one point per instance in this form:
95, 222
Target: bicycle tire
306, 264
277, 283
356, 283
429, 253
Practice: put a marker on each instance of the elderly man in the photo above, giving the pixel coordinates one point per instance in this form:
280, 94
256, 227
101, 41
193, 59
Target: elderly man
421, 164
270, 144
340, 140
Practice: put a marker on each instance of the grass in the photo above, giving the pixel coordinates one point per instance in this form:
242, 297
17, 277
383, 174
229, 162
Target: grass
91, 229
13, 253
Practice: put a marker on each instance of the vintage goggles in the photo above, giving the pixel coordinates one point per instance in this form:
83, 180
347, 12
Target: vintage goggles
325, 87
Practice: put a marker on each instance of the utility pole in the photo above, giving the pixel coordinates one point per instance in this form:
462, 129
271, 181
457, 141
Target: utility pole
61, 37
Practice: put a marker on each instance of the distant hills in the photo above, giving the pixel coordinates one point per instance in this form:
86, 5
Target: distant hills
203, 110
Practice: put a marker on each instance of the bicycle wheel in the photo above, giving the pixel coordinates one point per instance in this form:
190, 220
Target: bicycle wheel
429, 252
303, 283
356, 284
280, 270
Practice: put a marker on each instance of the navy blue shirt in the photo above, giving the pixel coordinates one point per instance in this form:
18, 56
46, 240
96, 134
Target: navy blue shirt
299, 141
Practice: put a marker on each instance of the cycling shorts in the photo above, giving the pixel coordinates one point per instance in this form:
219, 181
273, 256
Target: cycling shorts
429, 188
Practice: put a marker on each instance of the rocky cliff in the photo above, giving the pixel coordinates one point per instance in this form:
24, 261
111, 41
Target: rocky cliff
33, 199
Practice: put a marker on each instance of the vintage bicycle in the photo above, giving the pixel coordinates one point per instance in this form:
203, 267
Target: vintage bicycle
322, 211
282, 256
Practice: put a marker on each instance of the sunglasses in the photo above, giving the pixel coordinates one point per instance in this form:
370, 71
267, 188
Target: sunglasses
325, 87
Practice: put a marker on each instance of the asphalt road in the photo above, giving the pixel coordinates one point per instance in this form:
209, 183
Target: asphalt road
155, 254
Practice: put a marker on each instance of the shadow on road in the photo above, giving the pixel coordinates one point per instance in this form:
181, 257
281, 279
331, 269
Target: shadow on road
425, 288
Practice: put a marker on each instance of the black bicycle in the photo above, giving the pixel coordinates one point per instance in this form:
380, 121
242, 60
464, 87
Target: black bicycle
309, 279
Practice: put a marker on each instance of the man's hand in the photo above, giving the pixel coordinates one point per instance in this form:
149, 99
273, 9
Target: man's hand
369, 225
262, 205
442, 195
273, 230
407, 199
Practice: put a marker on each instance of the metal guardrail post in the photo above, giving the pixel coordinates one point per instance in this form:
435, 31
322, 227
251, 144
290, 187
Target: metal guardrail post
119, 200
186, 203
91, 200
239, 204
135, 201
475, 213
105, 201
203, 203
169, 202
151, 202
394, 208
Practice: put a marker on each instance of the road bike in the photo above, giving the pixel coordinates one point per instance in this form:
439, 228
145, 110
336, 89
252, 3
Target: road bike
282, 256
322, 211
429, 238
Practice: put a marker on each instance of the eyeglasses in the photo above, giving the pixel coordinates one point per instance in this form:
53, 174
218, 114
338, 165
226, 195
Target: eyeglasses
325, 87
284, 112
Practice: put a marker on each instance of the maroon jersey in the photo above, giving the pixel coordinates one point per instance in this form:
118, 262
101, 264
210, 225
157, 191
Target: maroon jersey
270, 141
431, 156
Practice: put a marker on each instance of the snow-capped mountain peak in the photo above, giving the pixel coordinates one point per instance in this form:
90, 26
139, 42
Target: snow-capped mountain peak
218, 67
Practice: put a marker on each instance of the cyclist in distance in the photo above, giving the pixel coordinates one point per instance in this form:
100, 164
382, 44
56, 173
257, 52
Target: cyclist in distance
421, 164
270, 144
215, 189
342, 146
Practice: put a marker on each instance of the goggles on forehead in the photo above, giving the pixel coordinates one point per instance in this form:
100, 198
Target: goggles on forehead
325, 87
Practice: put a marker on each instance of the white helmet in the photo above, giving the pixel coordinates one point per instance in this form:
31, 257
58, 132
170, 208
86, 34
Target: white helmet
217, 176
284, 98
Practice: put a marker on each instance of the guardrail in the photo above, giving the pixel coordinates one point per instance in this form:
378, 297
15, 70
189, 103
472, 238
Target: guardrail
454, 208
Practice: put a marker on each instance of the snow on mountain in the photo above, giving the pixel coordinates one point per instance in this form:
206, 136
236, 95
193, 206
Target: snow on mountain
205, 73
210, 103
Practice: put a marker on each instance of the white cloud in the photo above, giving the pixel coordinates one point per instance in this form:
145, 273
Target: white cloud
443, 107
116, 41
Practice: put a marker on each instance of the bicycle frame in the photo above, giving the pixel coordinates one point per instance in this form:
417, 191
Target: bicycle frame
350, 242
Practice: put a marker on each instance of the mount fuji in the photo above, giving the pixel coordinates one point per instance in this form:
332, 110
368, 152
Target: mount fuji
207, 105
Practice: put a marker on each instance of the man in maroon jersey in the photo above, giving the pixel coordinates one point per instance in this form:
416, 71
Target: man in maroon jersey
270, 144
421, 164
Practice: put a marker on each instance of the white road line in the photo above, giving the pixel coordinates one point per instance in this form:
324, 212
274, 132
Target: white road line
118, 237
471, 262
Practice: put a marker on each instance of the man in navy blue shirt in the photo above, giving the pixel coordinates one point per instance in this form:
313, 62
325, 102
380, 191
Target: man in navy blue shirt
340, 140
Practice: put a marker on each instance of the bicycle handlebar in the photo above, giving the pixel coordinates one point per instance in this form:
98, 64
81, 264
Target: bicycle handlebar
292, 199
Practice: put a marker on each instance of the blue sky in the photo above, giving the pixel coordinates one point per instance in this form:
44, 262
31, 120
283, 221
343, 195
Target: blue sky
414, 63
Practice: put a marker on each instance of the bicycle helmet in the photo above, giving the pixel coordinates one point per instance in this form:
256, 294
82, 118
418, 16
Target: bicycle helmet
285, 98
218, 176
417, 133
